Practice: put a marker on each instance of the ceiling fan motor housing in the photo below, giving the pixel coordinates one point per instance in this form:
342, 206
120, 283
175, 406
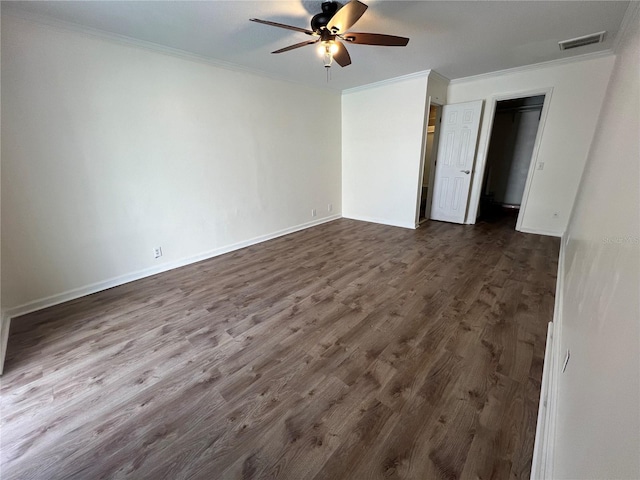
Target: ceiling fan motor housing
320, 20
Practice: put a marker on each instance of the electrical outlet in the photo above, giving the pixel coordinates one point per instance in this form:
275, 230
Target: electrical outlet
330, 207
157, 252
313, 212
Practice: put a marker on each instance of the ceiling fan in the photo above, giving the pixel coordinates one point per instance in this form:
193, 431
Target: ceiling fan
330, 29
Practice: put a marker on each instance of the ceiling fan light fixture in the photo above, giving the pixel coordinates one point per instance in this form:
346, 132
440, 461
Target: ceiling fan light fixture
327, 47
326, 50
328, 58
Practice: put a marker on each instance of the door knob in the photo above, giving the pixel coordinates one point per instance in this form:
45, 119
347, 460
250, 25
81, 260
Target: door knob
466, 171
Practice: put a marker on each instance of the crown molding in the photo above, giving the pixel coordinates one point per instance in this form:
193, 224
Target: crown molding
389, 81
124, 40
438, 76
533, 66
630, 19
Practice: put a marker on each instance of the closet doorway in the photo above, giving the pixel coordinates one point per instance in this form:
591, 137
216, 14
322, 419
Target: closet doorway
508, 163
428, 166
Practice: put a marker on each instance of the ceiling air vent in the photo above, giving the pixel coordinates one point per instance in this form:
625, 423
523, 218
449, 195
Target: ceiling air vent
581, 41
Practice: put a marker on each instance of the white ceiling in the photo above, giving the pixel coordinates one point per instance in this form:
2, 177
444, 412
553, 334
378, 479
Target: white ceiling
454, 38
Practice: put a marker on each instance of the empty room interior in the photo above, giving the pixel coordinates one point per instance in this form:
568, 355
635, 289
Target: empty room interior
319, 240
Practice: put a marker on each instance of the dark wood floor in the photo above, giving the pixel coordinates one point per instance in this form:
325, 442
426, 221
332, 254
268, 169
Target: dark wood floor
346, 351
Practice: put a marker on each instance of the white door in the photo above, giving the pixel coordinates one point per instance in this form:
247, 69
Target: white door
454, 162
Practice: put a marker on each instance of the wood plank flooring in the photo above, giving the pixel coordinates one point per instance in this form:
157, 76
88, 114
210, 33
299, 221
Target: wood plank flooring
346, 351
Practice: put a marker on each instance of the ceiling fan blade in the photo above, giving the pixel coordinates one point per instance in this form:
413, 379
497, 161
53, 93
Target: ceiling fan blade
342, 57
344, 18
282, 25
375, 39
297, 45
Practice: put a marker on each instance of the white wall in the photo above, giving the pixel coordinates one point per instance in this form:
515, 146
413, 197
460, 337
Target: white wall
598, 416
578, 91
4, 320
382, 147
110, 150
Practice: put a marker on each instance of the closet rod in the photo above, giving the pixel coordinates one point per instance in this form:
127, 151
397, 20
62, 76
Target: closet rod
519, 109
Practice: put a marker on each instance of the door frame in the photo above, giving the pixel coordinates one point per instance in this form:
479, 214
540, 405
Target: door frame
432, 160
481, 159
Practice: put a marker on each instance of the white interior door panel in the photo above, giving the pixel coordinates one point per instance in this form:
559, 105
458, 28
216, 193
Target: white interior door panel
455, 159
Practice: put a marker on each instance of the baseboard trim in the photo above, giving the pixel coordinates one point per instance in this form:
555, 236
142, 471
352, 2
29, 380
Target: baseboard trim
56, 299
381, 221
538, 463
538, 231
5, 324
544, 446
